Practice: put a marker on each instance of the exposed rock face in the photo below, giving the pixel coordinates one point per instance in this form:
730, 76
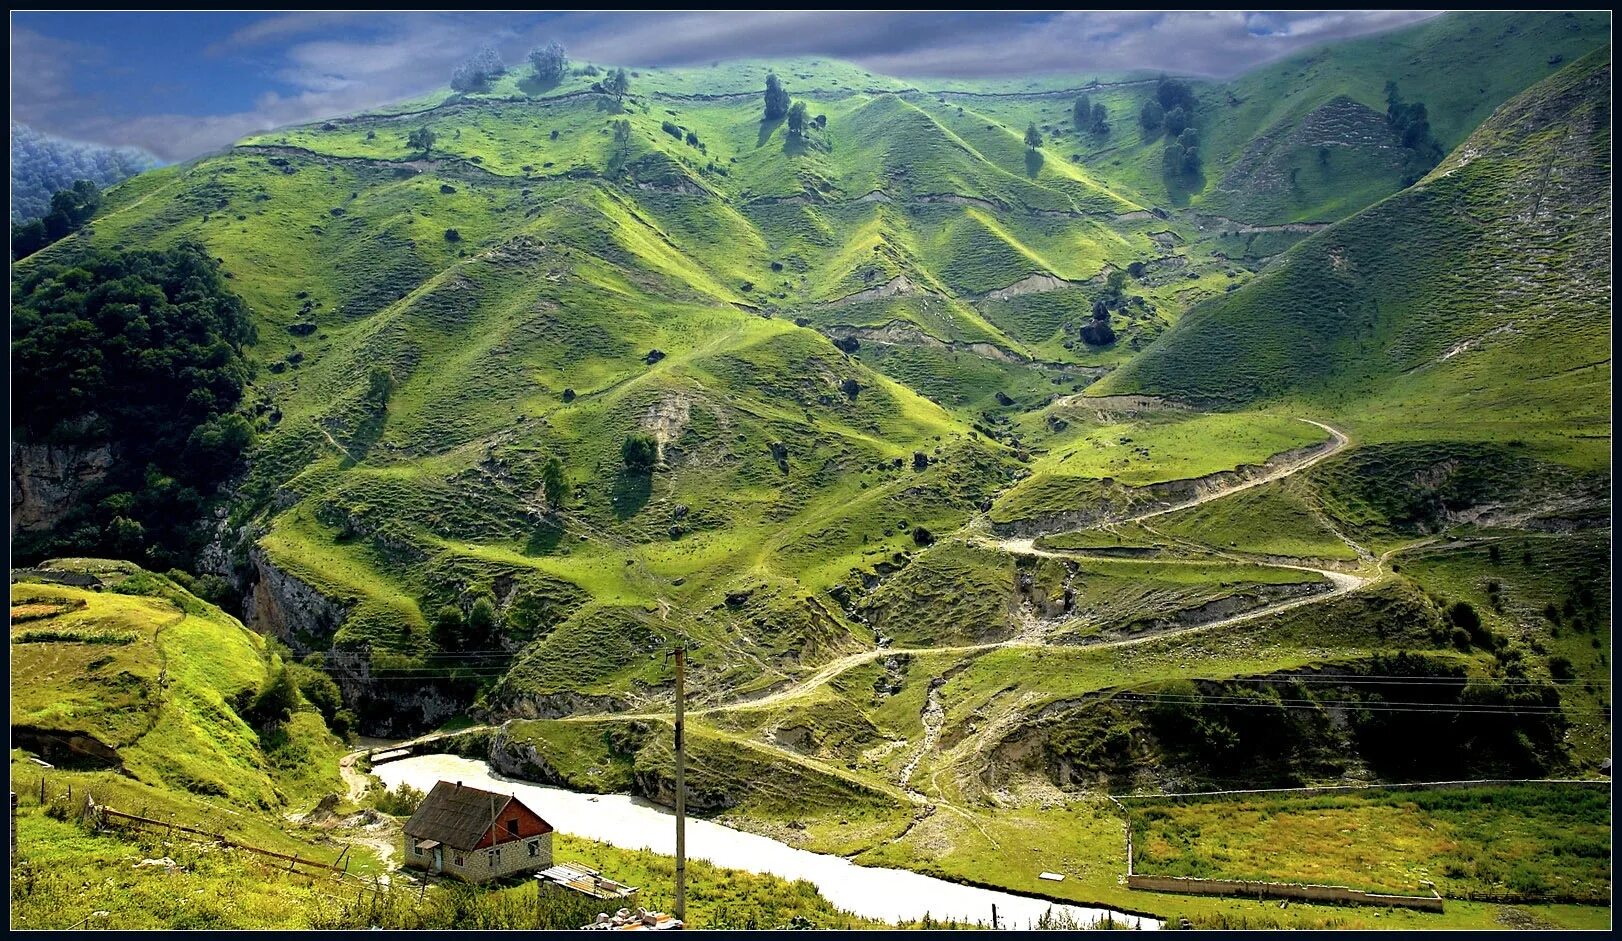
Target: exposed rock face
556, 705
46, 479
286, 608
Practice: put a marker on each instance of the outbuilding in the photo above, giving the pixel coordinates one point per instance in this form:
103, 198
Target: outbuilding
476, 835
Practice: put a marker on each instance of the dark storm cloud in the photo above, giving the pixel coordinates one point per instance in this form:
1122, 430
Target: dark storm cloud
341, 62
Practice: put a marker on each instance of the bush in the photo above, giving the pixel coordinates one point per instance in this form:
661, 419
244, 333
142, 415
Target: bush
275, 704
403, 801
451, 235
640, 452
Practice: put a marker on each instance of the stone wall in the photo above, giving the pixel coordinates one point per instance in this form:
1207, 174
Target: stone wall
477, 865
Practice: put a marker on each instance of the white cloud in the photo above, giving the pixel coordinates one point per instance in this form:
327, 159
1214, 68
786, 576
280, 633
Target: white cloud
353, 61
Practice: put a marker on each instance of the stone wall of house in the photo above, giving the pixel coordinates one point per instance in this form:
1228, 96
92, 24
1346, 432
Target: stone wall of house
477, 865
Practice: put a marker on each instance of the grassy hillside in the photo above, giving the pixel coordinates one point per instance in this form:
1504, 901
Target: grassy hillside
140, 676
869, 367
1470, 307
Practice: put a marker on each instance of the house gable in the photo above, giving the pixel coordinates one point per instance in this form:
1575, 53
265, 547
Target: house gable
469, 818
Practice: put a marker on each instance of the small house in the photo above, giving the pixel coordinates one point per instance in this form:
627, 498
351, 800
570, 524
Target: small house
476, 835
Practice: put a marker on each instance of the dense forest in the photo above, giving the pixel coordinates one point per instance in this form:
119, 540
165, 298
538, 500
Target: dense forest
140, 352
42, 165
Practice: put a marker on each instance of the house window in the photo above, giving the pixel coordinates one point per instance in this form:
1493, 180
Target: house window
512, 828
418, 850
534, 848
459, 860
495, 856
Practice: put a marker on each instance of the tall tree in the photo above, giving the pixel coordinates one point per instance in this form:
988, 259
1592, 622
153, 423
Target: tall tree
618, 84
550, 61
777, 100
1100, 119
481, 624
1176, 121
1082, 114
1174, 94
421, 139
554, 486
1033, 137
796, 120
1152, 115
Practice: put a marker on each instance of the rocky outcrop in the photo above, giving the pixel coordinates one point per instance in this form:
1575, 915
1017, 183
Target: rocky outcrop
282, 606
555, 705
1030, 284
47, 479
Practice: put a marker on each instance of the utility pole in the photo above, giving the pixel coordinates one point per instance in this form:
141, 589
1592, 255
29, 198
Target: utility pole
681, 784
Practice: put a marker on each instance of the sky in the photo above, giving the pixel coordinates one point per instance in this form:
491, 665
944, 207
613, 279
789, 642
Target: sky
184, 84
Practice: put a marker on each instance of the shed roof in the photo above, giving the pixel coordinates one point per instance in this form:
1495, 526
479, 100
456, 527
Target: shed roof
457, 815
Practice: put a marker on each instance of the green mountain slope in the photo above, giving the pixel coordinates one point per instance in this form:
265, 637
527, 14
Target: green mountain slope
846, 346
1305, 139
1473, 306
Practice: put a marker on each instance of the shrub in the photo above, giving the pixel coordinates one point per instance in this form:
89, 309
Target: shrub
639, 452
403, 801
451, 235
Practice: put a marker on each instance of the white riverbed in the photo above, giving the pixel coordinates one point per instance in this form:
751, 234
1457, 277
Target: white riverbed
887, 894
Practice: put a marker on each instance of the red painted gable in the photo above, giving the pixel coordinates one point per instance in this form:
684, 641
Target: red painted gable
527, 823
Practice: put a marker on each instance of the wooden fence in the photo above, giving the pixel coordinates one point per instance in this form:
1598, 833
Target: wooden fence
100, 814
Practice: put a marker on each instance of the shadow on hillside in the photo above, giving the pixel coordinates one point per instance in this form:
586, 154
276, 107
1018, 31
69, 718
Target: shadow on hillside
610, 104
1182, 186
534, 85
766, 129
795, 146
631, 492
366, 434
544, 539
1033, 162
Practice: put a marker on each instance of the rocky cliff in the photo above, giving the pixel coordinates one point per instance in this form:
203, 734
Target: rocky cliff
47, 479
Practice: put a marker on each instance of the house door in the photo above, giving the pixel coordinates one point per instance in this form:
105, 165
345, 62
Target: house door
439, 859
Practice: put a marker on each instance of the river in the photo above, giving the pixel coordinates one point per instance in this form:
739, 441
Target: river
632, 823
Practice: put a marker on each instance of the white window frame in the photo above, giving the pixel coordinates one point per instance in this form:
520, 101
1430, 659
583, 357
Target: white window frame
494, 854
534, 847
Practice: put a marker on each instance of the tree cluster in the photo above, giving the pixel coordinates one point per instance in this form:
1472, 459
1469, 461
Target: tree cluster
1170, 112
475, 74
421, 139
41, 165
476, 631
141, 353
1182, 156
70, 208
798, 124
1091, 117
618, 84
1411, 123
551, 61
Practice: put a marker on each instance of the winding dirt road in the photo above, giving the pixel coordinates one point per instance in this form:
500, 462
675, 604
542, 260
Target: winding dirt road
1338, 442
